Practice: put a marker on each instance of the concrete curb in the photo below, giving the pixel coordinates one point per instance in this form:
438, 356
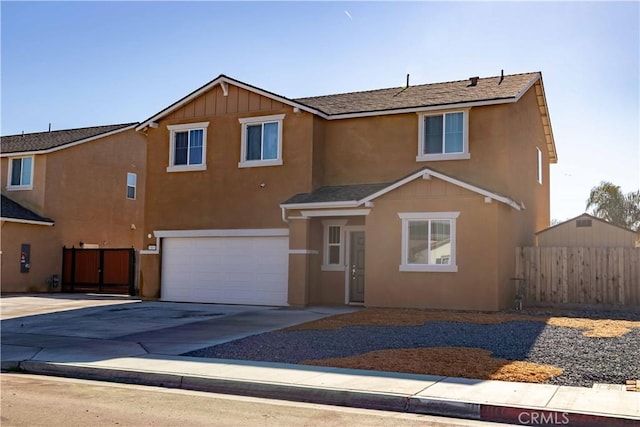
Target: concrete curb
328, 396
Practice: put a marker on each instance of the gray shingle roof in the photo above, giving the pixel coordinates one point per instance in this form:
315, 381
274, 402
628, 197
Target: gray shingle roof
46, 140
11, 209
427, 95
337, 193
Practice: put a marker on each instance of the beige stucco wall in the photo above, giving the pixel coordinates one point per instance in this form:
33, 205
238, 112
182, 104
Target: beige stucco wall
225, 196
384, 149
599, 235
44, 245
83, 189
473, 287
317, 152
33, 199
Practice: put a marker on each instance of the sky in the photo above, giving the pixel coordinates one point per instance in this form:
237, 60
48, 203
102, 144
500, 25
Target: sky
77, 64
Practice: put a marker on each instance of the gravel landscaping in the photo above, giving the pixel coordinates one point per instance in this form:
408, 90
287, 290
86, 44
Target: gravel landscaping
584, 359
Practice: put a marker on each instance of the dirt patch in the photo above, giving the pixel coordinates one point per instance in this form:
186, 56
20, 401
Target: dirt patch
414, 317
445, 361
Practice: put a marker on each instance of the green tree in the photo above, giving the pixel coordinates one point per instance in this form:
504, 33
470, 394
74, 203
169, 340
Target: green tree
611, 204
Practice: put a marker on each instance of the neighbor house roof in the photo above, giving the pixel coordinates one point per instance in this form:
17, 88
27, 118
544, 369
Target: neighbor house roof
44, 142
586, 215
351, 196
14, 212
426, 95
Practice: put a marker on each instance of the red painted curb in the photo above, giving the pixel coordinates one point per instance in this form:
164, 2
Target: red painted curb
540, 417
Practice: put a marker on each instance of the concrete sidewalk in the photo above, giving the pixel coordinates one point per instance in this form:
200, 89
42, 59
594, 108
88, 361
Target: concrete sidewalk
517, 403
132, 341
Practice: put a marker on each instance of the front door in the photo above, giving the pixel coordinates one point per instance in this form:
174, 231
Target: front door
356, 267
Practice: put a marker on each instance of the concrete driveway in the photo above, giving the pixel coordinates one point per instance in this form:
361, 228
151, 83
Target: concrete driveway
85, 328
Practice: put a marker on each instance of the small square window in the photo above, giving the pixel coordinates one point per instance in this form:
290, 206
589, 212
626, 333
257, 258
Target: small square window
131, 185
20, 173
188, 147
429, 241
443, 136
261, 141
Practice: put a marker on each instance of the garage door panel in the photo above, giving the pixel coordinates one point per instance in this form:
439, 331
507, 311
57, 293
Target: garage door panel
231, 270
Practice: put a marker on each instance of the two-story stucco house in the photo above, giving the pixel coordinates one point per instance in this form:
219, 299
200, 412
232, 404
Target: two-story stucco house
75, 187
400, 197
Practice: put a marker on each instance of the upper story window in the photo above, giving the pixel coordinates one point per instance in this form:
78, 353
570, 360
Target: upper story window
443, 136
539, 153
261, 143
187, 147
428, 241
132, 179
20, 173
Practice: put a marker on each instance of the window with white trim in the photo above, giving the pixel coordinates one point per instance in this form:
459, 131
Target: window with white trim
539, 157
443, 136
20, 173
132, 179
187, 147
333, 259
261, 141
429, 241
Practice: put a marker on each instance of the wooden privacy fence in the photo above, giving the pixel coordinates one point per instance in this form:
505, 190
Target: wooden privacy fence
608, 276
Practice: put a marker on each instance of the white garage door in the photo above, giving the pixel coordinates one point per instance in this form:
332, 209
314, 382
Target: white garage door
229, 270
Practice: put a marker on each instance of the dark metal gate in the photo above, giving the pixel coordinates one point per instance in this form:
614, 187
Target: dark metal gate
107, 271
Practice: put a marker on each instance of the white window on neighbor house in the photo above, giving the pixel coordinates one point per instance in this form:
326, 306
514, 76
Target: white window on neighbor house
187, 147
261, 141
429, 241
539, 155
20, 173
443, 136
131, 185
333, 259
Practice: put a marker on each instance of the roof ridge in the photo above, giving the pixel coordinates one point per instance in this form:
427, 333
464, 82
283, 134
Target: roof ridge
411, 86
67, 130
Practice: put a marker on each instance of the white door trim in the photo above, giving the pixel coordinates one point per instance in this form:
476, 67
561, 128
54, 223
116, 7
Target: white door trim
347, 230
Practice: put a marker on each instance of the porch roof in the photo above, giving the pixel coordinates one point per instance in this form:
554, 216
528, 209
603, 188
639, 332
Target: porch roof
351, 196
337, 193
14, 212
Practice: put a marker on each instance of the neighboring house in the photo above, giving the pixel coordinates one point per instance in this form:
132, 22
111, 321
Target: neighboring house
587, 231
400, 197
75, 187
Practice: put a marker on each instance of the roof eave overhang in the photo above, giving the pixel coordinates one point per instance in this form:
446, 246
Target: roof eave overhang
27, 221
322, 205
422, 109
67, 145
546, 121
427, 172
422, 173
222, 79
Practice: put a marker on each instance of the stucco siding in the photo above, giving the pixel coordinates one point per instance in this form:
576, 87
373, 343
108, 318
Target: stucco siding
526, 134
384, 149
34, 198
46, 257
84, 190
473, 287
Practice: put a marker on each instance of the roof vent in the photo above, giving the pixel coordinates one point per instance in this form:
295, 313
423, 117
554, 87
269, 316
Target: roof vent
501, 77
474, 81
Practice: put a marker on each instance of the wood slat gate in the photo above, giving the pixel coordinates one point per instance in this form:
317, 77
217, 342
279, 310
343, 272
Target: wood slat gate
108, 271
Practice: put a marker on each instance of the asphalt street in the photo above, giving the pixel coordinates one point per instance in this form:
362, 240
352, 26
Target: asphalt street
31, 400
